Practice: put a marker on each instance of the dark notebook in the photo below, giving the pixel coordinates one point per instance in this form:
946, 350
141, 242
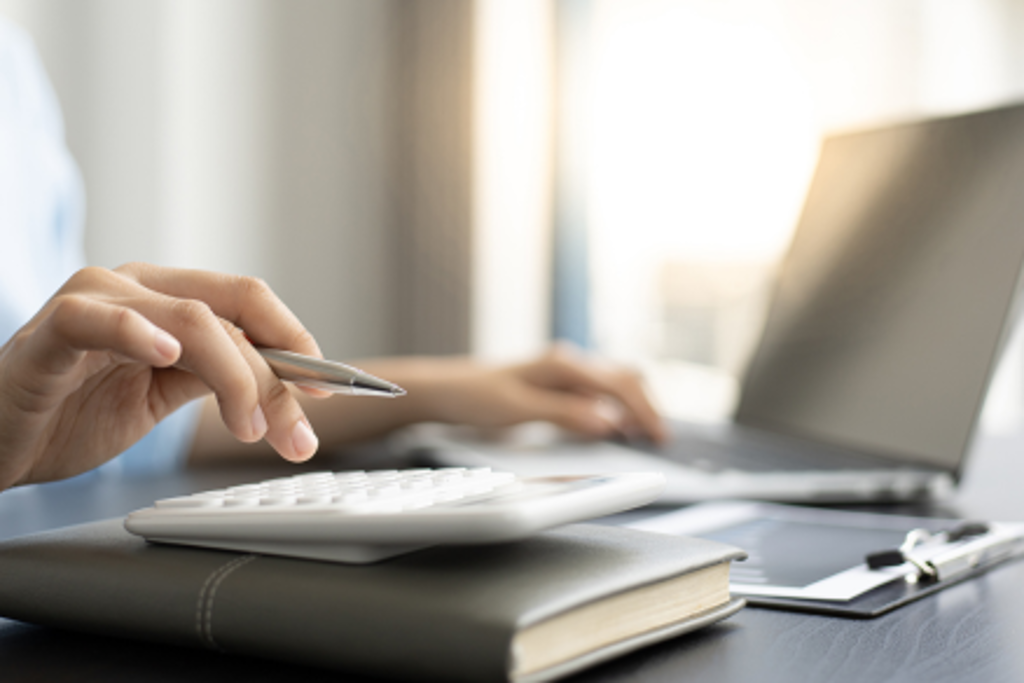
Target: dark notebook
528, 611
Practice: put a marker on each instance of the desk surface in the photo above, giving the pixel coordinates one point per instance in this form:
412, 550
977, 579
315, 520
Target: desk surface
971, 631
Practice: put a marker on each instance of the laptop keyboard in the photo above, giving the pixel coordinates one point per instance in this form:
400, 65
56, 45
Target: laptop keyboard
716, 448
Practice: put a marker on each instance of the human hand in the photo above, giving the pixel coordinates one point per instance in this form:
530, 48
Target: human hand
114, 352
563, 386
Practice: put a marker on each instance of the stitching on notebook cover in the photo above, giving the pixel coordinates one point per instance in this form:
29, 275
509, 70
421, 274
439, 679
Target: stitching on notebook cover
204, 606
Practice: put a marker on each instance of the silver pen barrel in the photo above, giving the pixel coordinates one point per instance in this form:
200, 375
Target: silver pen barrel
328, 375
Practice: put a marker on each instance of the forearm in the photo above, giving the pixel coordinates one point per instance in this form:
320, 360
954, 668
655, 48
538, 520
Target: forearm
341, 419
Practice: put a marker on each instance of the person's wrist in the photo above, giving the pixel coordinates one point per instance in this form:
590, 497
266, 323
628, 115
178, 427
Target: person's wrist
435, 387
428, 399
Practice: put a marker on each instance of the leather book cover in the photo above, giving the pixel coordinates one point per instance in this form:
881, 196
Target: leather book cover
444, 613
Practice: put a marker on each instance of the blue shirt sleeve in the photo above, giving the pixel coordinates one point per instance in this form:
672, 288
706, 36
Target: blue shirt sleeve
42, 210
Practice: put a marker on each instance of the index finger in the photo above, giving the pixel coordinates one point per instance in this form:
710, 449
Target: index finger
248, 302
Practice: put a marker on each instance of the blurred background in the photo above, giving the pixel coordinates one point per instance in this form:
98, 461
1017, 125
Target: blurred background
452, 176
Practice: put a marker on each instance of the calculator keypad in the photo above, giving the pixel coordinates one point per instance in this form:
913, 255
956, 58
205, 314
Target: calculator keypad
352, 492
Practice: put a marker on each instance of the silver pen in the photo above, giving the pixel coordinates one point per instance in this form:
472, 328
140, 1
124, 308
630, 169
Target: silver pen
328, 375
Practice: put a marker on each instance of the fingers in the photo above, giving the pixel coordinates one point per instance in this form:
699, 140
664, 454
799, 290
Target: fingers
72, 325
185, 315
76, 323
245, 301
581, 414
210, 353
564, 370
286, 428
253, 402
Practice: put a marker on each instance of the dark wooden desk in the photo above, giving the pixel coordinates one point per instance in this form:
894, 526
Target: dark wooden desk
971, 632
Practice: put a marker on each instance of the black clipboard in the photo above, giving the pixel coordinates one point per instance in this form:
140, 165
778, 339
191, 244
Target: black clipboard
874, 603
926, 555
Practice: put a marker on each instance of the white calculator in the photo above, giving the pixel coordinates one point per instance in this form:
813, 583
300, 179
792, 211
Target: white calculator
364, 517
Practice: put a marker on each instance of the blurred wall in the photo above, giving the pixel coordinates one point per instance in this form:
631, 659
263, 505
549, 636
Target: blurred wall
327, 145
321, 144
871, 61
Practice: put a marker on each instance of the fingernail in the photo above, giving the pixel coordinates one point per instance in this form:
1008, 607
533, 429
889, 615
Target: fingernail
166, 345
610, 414
259, 422
304, 441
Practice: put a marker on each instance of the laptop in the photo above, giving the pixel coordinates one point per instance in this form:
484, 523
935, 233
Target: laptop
883, 330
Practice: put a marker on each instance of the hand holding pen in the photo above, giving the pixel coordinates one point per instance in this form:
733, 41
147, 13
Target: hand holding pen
113, 352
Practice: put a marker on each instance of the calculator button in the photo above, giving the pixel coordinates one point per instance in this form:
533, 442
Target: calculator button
448, 496
242, 502
314, 499
272, 500
386, 491
351, 497
417, 503
245, 494
306, 479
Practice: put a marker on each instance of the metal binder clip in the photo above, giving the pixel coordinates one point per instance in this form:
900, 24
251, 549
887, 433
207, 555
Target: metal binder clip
948, 563
896, 557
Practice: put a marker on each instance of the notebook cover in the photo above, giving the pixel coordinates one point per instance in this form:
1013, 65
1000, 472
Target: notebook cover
445, 613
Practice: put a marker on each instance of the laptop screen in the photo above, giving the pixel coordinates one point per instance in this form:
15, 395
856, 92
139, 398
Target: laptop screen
891, 305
